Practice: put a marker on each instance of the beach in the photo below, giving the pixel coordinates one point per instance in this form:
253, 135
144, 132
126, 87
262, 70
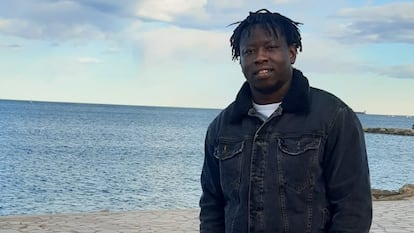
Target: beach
389, 216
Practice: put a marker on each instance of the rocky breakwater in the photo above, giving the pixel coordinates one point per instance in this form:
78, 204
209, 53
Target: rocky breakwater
394, 131
406, 191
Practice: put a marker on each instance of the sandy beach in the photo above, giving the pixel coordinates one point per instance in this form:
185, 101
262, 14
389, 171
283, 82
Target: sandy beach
389, 216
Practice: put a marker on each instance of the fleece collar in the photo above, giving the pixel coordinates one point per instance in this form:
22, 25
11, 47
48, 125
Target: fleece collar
296, 100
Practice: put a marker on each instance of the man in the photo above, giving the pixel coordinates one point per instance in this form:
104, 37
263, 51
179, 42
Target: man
283, 157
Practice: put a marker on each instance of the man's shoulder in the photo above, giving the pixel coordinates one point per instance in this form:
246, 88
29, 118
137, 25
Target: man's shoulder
326, 97
224, 115
325, 101
222, 119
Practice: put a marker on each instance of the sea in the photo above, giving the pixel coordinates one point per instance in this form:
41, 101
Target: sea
71, 157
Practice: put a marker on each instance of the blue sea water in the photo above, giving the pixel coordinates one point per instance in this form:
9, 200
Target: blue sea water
66, 157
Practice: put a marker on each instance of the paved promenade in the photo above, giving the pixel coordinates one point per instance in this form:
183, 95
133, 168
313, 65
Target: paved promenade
389, 216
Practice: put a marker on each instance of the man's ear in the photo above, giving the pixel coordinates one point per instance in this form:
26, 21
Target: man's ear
292, 53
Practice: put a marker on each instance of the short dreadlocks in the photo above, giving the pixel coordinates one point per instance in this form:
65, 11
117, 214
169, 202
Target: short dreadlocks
272, 22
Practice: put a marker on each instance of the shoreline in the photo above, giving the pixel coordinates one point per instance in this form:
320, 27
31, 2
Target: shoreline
388, 216
405, 192
392, 131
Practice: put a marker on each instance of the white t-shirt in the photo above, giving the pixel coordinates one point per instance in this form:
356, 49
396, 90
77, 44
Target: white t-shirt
266, 109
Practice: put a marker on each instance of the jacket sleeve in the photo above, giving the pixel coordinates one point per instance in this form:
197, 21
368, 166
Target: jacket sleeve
347, 175
212, 200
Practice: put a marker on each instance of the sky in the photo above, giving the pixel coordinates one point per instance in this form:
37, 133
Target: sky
177, 52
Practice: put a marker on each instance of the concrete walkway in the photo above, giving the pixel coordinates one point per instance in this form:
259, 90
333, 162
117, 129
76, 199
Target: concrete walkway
389, 216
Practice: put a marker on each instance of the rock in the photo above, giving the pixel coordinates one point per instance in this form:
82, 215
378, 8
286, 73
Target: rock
407, 188
394, 131
405, 191
379, 194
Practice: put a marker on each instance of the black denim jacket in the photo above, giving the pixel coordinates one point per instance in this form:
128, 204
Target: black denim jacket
304, 169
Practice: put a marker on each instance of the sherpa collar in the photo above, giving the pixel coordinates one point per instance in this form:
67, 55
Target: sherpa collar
296, 100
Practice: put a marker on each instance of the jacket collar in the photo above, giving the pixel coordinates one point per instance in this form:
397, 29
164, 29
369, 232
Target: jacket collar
296, 100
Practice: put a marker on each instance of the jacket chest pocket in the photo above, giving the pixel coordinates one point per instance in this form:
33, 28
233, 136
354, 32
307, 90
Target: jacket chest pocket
229, 153
297, 159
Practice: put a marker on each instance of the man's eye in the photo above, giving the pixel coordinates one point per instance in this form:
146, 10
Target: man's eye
248, 51
271, 47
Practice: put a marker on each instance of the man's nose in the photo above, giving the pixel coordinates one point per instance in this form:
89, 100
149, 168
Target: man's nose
261, 56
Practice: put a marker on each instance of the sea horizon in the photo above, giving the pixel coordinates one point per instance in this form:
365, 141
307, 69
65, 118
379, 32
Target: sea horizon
176, 106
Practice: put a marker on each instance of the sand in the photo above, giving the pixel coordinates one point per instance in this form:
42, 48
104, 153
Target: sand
389, 216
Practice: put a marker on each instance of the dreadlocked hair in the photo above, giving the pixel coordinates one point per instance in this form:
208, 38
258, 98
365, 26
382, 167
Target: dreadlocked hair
272, 22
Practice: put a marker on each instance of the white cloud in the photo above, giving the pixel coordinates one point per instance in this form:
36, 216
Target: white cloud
51, 31
11, 46
226, 4
168, 10
62, 20
400, 11
399, 71
95, 19
89, 60
175, 44
282, 1
4, 23
54, 20
321, 55
392, 22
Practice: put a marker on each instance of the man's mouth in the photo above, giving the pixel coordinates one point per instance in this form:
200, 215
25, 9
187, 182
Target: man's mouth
263, 72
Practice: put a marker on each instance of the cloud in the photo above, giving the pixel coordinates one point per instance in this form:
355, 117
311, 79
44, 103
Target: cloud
400, 71
171, 44
321, 55
112, 50
168, 10
387, 23
327, 56
12, 46
101, 19
51, 31
104, 6
58, 20
89, 60
4, 23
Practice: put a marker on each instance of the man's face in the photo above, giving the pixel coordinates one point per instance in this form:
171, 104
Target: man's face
266, 62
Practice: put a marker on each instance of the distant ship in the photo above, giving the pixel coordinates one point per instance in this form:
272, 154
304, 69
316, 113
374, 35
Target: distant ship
364, 112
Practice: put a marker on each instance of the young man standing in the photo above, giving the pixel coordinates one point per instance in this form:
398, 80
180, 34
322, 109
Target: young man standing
284, 156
